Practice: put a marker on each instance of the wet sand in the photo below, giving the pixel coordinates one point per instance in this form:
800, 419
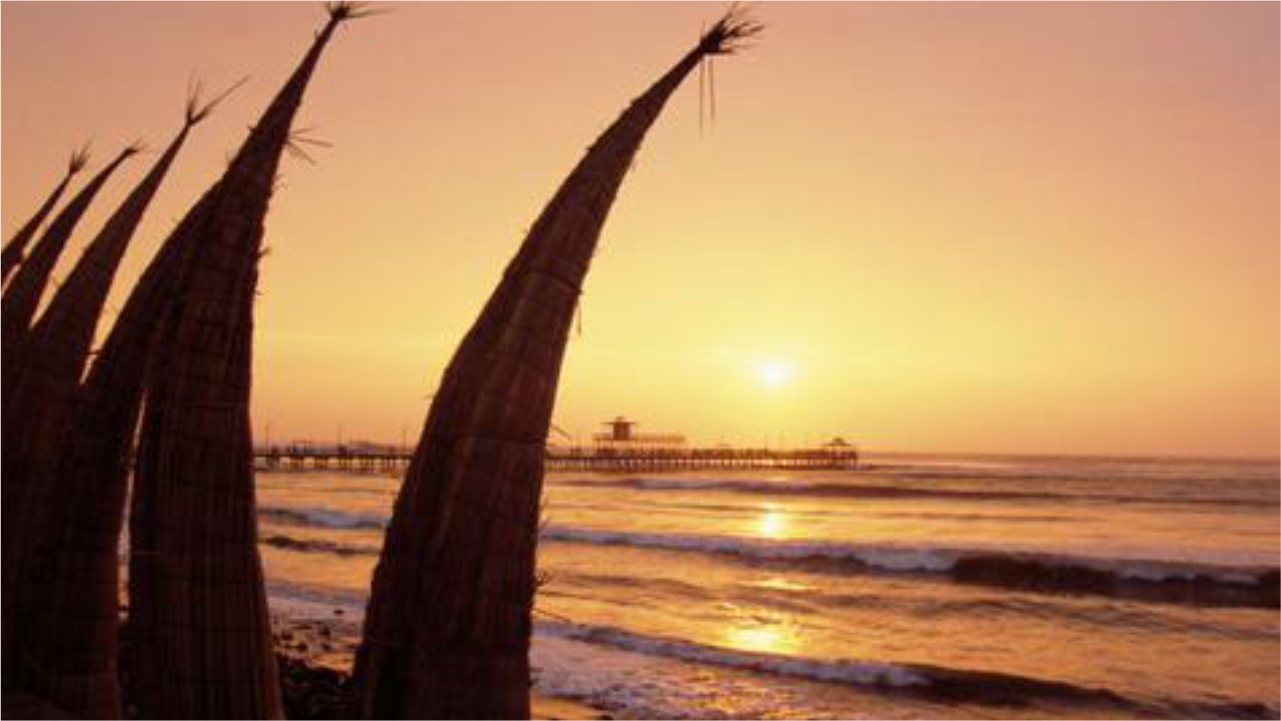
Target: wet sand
316, 670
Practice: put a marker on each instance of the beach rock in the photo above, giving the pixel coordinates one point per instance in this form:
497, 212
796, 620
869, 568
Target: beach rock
308, 691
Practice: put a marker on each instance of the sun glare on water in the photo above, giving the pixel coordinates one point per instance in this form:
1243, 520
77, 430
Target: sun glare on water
773, 524
763, 632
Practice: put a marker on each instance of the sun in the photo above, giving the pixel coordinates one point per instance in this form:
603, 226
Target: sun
774, 373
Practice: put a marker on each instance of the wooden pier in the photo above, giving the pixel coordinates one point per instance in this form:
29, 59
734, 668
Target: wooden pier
366, 460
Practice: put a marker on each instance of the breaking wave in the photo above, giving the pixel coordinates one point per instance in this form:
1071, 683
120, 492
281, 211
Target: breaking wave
323, 518
829, 489
935, 683
1159, 580
289, 543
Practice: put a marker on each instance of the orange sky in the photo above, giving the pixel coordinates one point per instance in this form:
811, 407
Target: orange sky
971, 227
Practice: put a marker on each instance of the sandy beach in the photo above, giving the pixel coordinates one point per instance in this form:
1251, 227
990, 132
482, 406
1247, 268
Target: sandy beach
315, 669
315, 672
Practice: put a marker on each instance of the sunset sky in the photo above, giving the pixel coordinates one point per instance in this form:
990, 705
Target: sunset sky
991, 227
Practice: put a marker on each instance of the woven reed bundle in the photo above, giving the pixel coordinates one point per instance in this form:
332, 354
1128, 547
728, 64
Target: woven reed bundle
21, 298
22, 294
58, 344
18, 706
198, 607
39, 384
11, 256
448, 623
38, 420
62, 630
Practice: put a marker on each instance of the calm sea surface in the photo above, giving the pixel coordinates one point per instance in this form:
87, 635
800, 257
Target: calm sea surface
947, 586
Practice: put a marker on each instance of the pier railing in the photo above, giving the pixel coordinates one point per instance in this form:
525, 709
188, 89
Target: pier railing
343, 458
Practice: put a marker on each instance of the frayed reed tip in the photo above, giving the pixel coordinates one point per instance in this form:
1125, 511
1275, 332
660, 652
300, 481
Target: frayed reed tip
79, 159
731, 33
350, 10
198, 110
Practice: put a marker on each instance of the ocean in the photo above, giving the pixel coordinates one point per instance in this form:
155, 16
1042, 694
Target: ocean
915, 587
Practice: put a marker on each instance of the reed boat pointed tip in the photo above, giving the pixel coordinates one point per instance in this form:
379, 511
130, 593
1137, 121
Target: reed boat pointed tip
732, 33
197, 109
344, 10
79, 159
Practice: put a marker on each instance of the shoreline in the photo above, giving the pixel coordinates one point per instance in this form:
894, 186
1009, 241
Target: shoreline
315, 673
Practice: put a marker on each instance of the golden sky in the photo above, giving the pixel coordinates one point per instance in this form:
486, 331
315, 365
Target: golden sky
997, 227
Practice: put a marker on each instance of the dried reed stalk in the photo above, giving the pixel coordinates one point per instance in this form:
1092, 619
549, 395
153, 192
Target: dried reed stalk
448, 623
11, 256
21, 298
21, 704
22, 294
198, 608
66, 666
71, 557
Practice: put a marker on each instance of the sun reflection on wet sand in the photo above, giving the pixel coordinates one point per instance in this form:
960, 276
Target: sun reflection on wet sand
776, 638
779, 583
760, 631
